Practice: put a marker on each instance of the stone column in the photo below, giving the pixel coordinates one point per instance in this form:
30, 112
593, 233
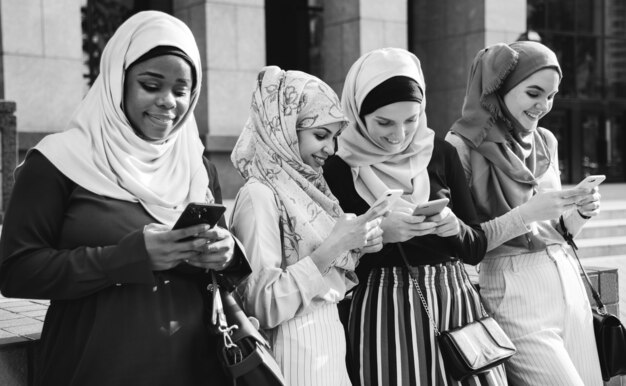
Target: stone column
42, 62
8, 131
354, 27
231, 38
445, 35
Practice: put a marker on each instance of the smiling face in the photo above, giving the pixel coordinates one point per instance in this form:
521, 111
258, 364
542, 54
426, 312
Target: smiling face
318, 143
157, 94
533, 98
391, 124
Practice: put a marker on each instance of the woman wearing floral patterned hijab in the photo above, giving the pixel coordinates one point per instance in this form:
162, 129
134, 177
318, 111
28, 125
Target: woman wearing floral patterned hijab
300, 244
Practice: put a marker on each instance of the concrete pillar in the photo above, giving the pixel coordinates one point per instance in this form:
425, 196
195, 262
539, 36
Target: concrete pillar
231, 38
8, 146
446, 36
354, 27
42, 61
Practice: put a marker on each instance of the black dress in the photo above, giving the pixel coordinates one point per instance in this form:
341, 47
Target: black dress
111, 320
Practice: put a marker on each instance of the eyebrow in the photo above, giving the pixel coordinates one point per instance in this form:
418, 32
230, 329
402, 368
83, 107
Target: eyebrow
157, 75
389, 119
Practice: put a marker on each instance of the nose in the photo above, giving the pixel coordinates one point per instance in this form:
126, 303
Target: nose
542, 104
330, 147
166, 101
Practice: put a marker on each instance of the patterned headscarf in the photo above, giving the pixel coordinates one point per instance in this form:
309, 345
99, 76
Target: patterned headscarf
508, 161
283, 103
374, 169
101, 152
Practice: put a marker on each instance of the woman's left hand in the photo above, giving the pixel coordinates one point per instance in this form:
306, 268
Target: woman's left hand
447, 223
590, 204
218, 251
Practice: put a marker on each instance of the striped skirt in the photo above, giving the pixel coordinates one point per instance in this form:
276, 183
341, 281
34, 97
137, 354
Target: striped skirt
392, 340
311, 348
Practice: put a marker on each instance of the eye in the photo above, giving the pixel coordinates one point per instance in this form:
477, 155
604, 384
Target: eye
532, 94
181, 93
383, 122
149, 86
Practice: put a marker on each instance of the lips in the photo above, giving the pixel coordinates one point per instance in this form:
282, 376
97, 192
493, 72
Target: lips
162, 118
320, 160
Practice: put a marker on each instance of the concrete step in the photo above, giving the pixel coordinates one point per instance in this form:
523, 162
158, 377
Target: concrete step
603, 228
611, 209
601, 246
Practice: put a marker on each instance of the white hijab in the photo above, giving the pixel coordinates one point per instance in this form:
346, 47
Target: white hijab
101, 152
374, 169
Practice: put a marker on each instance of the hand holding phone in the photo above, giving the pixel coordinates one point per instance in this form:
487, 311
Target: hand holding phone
431, 208
196, 213
390, 195
591, 182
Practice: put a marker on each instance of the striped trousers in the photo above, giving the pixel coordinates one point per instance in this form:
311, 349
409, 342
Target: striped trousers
539, 300
392, 340
311, 348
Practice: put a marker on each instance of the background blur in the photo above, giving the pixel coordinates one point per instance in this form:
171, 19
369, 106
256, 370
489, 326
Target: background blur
50, 50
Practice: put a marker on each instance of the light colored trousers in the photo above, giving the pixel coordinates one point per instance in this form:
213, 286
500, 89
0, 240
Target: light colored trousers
311, 348
540, 301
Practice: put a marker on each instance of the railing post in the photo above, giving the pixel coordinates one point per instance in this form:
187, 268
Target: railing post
8, 131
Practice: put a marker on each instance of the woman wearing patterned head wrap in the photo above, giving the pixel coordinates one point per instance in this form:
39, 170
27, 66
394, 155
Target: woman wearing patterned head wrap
298, 240
389, 145
528, 279
126, 296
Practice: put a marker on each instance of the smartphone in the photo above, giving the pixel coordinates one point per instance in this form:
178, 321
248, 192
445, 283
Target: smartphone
390, 195
591, 182
196, 213
431, 208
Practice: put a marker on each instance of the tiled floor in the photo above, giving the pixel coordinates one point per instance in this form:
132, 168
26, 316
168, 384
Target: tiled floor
21, 319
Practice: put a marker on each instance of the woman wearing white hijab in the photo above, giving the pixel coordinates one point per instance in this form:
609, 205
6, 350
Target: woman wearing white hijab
388, 145
126, 293
297, 238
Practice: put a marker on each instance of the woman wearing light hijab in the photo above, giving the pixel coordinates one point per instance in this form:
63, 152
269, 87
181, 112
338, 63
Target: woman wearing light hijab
126, 294
300, 244
388, 145
529, 281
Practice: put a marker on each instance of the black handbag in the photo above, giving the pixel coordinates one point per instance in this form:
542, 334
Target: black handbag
243, 352
471, 349
608, 329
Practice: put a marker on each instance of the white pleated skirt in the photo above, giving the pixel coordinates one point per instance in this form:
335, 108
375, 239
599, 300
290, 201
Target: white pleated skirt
311, 349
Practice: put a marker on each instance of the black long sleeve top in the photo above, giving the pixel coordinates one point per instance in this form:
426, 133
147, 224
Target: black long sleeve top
111, 320
447, 179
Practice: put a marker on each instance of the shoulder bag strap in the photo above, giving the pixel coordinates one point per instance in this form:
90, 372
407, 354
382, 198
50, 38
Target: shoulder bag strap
570, 240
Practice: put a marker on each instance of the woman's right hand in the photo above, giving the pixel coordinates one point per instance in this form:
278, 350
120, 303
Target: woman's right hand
351, 232
401, 225
550, 205
165, 248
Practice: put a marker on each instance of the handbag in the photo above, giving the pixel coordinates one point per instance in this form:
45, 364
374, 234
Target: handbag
470, 349
608, 329
243, 352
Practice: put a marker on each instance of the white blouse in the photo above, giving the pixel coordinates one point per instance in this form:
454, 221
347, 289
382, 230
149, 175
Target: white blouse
274, 292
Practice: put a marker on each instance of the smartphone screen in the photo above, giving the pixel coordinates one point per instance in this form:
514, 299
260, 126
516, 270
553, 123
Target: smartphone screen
196, 213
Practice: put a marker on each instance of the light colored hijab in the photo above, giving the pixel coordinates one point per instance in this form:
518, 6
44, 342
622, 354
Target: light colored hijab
101, 152
374, 170
508, 161
283, 103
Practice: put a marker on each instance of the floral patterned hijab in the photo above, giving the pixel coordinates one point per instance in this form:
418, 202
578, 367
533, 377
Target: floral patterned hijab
283, 103
100, 150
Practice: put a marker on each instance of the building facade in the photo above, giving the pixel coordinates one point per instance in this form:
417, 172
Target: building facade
49, 53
